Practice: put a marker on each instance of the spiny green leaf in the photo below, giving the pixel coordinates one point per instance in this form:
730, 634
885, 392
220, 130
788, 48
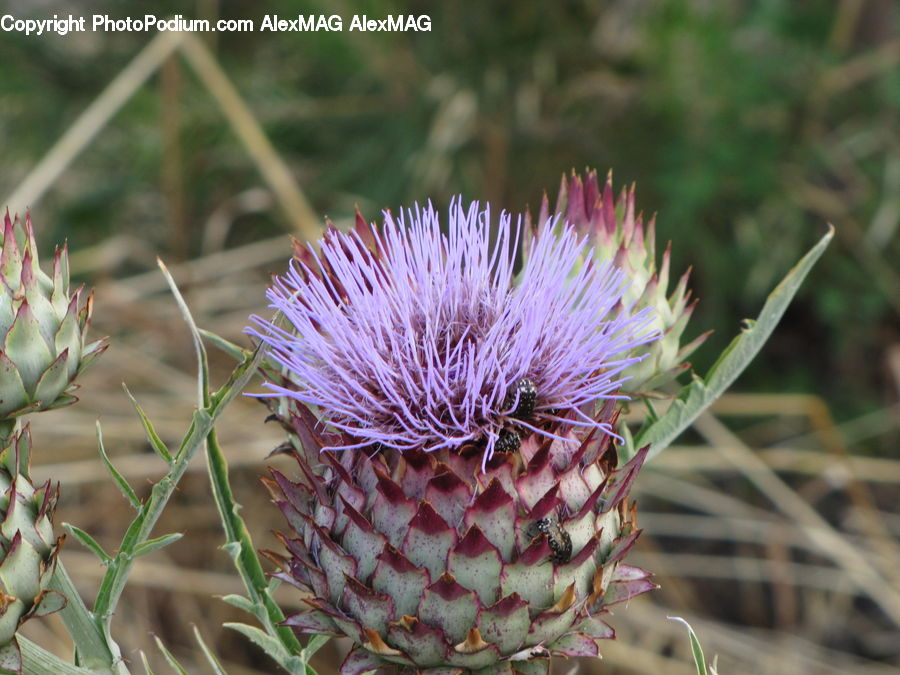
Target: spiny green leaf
234, 351
239, 545
240, 602
172, 661
239, 378
139, 530
88, 542
203, 371
210, 657
700, 394
119, 479
696, 649
151, 545
152, 436
146, 664
270, 646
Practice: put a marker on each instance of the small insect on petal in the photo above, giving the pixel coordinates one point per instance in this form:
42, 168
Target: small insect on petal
508, 441
527, 399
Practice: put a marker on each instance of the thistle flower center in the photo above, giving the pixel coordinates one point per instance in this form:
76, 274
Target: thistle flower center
422, 340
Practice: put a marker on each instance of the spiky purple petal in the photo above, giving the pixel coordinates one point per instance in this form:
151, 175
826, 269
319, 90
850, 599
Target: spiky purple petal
421, 343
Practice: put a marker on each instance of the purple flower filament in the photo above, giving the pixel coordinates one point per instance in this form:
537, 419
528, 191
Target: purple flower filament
421, 345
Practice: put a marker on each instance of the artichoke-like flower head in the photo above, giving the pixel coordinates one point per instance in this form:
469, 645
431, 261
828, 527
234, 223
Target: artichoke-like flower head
458, 505
42, 327
28, 548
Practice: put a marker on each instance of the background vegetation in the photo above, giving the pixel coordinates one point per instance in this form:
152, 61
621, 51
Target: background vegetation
746, 125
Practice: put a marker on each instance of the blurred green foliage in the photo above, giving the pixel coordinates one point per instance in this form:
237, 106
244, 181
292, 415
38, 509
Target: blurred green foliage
746, 124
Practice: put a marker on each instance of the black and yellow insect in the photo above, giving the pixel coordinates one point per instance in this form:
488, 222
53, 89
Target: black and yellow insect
558, 539
527, 399
508, 439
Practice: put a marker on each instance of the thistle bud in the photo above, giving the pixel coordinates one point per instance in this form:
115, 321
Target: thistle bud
618, 235
42, 327
28, 548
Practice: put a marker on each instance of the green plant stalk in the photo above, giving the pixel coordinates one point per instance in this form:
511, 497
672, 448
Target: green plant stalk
246, 560
139, 531
38, 661
239, 543
94, 650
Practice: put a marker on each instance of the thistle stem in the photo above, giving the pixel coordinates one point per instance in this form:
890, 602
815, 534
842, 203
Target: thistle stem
141, 527
38, 661
245, 558
93, 649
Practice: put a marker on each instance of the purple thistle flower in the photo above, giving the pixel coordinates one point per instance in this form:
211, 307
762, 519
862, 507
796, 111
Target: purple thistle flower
416, 339
493, 540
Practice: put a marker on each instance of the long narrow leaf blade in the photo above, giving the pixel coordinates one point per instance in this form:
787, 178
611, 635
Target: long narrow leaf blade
172, 661
239, 545
236, 352
698, 395
203, 372
152, 545
210, 657
119, 479
146, 664
696, 649
270, 646
88, 542
155, 441
746, 346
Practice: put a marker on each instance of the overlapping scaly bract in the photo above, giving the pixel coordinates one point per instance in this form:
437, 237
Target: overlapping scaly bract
28, 549
617, 234
432, 565
42, 327
415, 339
